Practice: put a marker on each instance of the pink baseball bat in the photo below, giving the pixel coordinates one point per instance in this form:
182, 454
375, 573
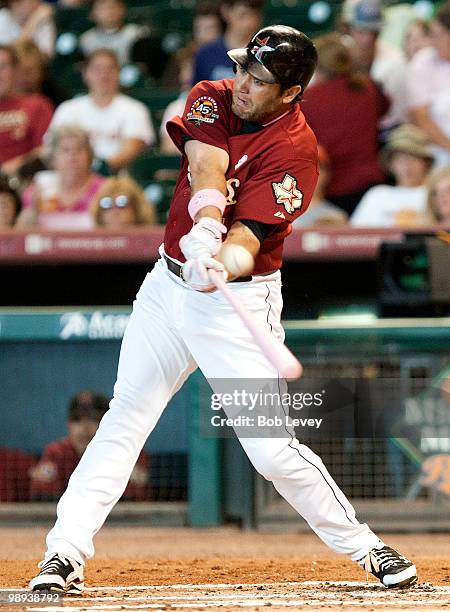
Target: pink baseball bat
276, 352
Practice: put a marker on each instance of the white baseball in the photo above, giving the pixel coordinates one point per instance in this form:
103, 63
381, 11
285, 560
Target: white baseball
237, 260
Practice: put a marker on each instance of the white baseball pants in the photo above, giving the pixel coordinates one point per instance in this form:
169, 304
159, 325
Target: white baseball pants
172, 330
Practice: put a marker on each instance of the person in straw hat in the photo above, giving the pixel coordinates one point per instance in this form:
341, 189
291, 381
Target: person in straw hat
408, 157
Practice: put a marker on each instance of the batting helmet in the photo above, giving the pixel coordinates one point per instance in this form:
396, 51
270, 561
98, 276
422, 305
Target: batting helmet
278, 54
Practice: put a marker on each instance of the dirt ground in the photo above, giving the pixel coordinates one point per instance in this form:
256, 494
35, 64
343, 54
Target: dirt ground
238, 569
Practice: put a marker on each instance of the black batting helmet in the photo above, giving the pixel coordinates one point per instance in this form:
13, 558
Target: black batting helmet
278, 54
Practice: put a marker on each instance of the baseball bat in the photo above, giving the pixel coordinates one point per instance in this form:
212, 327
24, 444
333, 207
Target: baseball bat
276, 352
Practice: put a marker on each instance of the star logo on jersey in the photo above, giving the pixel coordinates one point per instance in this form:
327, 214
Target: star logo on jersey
260, 48
287, 194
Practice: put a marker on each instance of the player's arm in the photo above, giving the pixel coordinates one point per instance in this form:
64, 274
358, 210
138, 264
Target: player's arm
207, 167
243, 235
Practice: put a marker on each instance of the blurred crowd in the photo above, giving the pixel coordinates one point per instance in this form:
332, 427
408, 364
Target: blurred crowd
379, 104
25, 478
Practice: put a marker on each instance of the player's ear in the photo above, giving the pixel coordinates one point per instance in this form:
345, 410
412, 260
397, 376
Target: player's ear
291, 93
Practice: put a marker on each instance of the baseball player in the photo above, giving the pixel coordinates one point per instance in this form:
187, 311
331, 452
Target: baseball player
249, 168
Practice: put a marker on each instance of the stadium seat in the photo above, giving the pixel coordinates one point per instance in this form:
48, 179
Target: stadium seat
160, 193
144, 168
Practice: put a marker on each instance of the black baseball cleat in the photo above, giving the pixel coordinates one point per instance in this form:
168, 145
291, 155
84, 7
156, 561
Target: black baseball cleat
59, 574
390, 567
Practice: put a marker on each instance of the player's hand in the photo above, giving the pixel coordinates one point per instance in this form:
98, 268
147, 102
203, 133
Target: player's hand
195, 272
205, 238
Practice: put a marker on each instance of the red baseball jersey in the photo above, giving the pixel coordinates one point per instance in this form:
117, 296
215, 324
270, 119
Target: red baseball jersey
24, 119
15, 471
271, 175
58, 461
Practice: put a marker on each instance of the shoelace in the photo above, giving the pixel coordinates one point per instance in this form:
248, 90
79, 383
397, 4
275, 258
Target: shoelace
384, 558
52, 564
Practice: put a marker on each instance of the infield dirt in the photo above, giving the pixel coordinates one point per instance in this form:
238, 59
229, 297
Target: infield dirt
228, 556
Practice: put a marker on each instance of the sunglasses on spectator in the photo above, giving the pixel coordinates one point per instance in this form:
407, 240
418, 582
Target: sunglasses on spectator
108, 202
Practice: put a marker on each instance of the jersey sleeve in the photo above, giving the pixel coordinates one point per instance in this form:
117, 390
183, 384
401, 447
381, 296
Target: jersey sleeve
277, 195
204, 118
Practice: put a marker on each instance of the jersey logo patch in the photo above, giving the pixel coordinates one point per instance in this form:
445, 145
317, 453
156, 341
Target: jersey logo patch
287, 194
203, 110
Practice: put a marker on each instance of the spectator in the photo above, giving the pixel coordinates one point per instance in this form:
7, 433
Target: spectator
28, 20
121, 203
243, 18
10, 204
59, 459
183, 59
32, 76
321, 212
207, 24
110, 31
23, 118
26, 173
120, 127
343, 108
438, 200
409, 159
61, 199
417, 37
429, 86
383, 63
15, 468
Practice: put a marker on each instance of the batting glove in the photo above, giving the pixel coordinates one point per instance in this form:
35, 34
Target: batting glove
205, 238
195, 272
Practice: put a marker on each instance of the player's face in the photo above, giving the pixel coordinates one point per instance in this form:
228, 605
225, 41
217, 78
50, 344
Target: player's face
206, 28
81, 432
102, 75
72, 157
117, 211
242, 20
108, 13
254, 100
409, 170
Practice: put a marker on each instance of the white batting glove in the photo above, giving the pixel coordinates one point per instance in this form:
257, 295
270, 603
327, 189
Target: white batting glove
205, 237
195, 272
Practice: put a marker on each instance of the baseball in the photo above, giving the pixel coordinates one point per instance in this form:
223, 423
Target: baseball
237, 260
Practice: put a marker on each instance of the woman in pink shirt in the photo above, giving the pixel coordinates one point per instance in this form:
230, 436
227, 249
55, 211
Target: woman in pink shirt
60, 199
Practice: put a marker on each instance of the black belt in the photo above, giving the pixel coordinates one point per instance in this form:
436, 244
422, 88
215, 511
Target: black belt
175, 268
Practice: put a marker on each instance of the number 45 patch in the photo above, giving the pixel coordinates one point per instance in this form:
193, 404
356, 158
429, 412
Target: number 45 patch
203, 110
287, 194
